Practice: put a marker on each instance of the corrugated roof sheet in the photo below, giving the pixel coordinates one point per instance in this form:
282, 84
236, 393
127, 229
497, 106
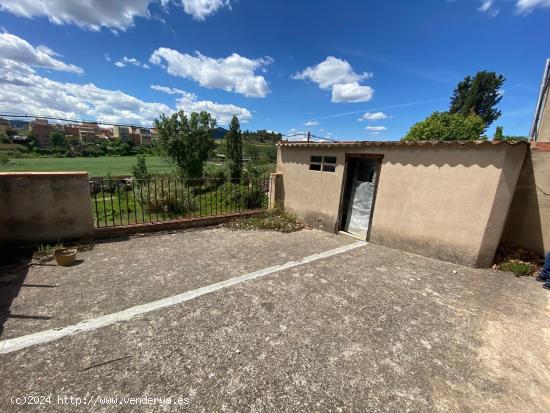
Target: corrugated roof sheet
460, 144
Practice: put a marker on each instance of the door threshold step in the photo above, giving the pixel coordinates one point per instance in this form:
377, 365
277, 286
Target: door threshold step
349, 234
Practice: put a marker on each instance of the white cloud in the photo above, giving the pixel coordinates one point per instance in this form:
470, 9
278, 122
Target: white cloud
89, 14
330, 72
188, 102
488, 6
338, 75
372, 116
19, 50
24, 91
200, 9
375, 128
527, 6
234, 73
522, 6
130, 61
112, 14
168, 90
351, 92
311, 123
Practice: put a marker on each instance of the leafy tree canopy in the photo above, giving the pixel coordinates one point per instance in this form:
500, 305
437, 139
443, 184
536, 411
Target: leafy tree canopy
478, 95
186, 140
445, 126
261, 135
58, 139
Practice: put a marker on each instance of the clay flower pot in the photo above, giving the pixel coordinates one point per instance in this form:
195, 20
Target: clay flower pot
64, 256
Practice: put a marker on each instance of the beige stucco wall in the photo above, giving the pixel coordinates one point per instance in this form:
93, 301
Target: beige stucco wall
528, 223
446, 201
41, 207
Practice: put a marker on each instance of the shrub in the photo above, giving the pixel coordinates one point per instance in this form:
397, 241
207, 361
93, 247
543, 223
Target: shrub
215, 175
46, 250
139, 170
518, 267
245, 196
516, 260
445, 126
4, 159
276, 219
166, 202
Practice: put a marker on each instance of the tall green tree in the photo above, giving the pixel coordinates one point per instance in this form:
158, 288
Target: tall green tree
186, 140
499, 134
234, 144
445, 126
478, 95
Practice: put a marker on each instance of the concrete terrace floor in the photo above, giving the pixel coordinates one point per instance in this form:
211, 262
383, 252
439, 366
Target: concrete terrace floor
369, 329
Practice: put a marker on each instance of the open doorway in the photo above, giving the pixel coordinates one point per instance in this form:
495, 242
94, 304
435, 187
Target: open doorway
359, 192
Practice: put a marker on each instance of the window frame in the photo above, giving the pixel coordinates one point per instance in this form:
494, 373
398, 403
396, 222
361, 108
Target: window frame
323, 165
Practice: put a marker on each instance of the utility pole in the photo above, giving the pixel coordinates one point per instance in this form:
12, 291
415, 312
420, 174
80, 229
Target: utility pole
308, 135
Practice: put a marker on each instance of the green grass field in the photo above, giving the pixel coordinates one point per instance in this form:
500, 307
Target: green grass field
101, 166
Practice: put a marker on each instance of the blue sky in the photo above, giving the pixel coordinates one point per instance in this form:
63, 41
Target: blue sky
281, 65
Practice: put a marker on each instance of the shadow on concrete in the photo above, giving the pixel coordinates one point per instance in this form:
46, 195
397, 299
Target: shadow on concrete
14, 268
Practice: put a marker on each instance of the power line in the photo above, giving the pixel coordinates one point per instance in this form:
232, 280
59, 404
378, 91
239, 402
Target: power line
310, 135
26, 115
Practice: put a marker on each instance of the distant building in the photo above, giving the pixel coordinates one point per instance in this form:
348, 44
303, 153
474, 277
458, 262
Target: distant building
138, 136
89, 132
72, 133
121, 133
144, 136
540, 130
41, 129
107, 133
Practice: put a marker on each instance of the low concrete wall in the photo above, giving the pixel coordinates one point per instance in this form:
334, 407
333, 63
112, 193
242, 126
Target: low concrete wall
44, 206
528, 224
448, 201
176, 224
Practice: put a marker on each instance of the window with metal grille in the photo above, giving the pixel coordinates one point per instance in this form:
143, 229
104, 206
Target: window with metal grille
322, 163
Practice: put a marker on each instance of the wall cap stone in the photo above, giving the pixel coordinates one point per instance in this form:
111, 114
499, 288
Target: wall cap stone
29, 174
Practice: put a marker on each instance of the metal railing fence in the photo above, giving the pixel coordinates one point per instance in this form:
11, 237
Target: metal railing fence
129, 201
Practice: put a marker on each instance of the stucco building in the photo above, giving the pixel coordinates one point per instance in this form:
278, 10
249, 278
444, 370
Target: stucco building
448, 200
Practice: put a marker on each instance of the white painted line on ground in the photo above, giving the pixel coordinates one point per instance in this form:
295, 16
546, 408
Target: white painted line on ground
18, 343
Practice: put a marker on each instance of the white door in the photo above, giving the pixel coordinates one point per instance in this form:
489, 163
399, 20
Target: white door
361, 198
